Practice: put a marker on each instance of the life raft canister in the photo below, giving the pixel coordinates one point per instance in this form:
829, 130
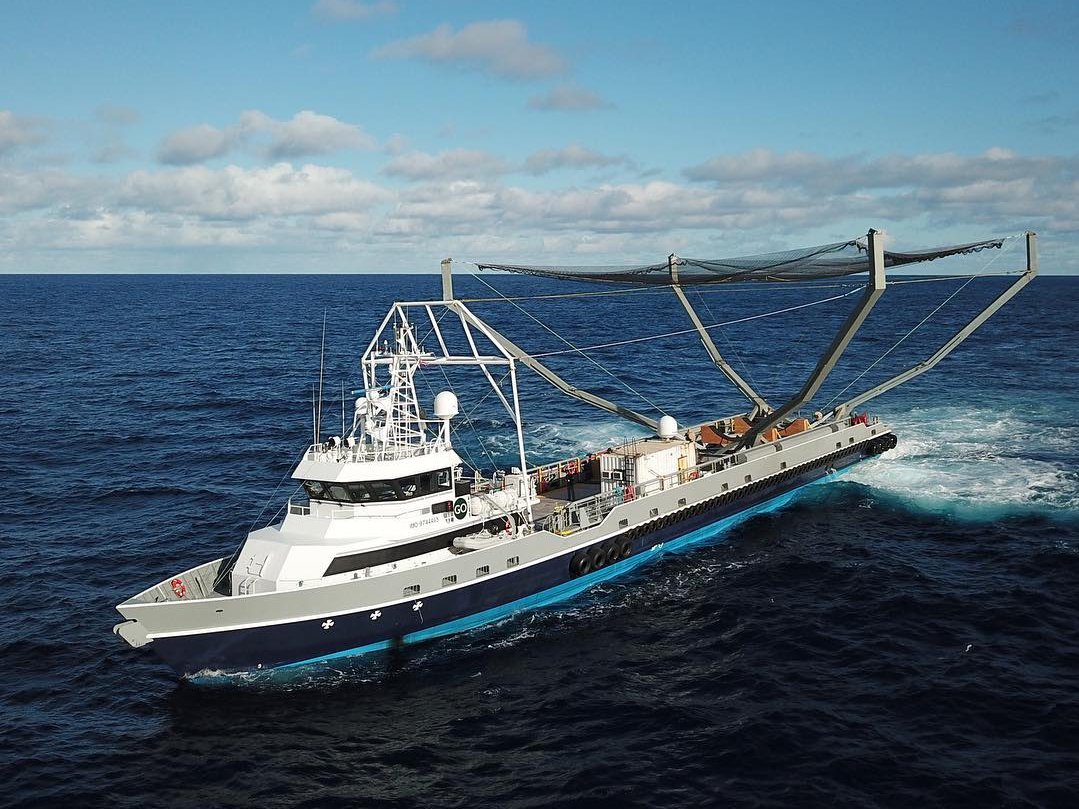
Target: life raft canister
179, 587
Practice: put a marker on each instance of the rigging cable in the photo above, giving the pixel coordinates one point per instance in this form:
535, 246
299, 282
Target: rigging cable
556, 295
921, 323
730, 344
269, 499
694, 331
727, 287
459, 446
468, 422
574, 349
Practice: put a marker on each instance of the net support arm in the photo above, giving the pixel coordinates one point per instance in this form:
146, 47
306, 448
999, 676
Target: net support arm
518, 353
873, 290
447, 279
710, 346
961, 335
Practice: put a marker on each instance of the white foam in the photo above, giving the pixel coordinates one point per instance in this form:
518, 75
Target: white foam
551, 440
949, 458
954, 458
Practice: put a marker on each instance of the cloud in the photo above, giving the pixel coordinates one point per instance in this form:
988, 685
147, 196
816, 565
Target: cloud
456, 163
1052, 124
23, 191
569, 98
570, 157
196, 144
500, 47
188, 207
1038, 99
234, 193
997, 189
820, 174
113, 150
306, 133
395, 144
469, 164
464, 201
19, 130
778, 194
352, 9
630, 208
1044, 26
105, 138
116, 114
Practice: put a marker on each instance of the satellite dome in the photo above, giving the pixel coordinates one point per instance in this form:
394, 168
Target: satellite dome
445, 405
668, 427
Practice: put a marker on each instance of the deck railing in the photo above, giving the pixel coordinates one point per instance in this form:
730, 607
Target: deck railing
343, 453
591, 511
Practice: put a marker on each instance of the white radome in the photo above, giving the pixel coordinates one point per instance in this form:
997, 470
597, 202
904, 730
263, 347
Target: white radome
668, 427
445, 405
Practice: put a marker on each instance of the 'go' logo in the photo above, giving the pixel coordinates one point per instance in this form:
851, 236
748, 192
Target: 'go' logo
460, 508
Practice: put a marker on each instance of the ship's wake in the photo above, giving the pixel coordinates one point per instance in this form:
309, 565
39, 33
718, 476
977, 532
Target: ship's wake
975, 463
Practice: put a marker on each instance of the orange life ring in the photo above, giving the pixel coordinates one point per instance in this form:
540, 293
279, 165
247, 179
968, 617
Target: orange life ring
179, 587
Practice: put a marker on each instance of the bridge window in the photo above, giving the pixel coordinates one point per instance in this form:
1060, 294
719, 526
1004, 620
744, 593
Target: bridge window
381, 491
338, 492
315, 490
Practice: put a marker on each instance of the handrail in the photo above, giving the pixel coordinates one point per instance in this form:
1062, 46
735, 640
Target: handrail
344, 454
560, 468
637, 491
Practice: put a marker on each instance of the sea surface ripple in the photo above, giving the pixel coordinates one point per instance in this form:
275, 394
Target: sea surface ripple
907, 635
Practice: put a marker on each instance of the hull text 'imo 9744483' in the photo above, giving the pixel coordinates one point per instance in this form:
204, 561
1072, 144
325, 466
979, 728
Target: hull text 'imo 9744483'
398, 540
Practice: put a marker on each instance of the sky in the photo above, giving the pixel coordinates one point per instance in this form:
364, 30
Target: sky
384, 135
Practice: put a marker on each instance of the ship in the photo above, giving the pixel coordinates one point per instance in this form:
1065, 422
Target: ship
396, 539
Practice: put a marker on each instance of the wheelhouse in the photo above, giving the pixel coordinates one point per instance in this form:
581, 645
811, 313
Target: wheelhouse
381, 491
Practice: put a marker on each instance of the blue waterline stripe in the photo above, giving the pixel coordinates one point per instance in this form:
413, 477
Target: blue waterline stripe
570, 588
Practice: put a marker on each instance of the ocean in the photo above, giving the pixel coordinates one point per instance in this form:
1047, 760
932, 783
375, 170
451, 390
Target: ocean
905, 635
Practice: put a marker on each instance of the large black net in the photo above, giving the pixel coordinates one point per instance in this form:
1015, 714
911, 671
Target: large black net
809, 263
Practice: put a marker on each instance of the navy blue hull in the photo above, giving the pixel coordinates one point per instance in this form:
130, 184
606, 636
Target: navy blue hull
460, 608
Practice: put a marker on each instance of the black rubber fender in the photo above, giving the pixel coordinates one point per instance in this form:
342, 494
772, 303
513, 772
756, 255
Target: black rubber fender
580, 564
882, 443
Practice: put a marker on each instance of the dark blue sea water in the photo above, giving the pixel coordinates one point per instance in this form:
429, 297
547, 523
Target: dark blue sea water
906, 636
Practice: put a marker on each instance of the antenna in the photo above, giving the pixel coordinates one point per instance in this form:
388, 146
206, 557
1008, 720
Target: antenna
314, 418
342, 410
321, 365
